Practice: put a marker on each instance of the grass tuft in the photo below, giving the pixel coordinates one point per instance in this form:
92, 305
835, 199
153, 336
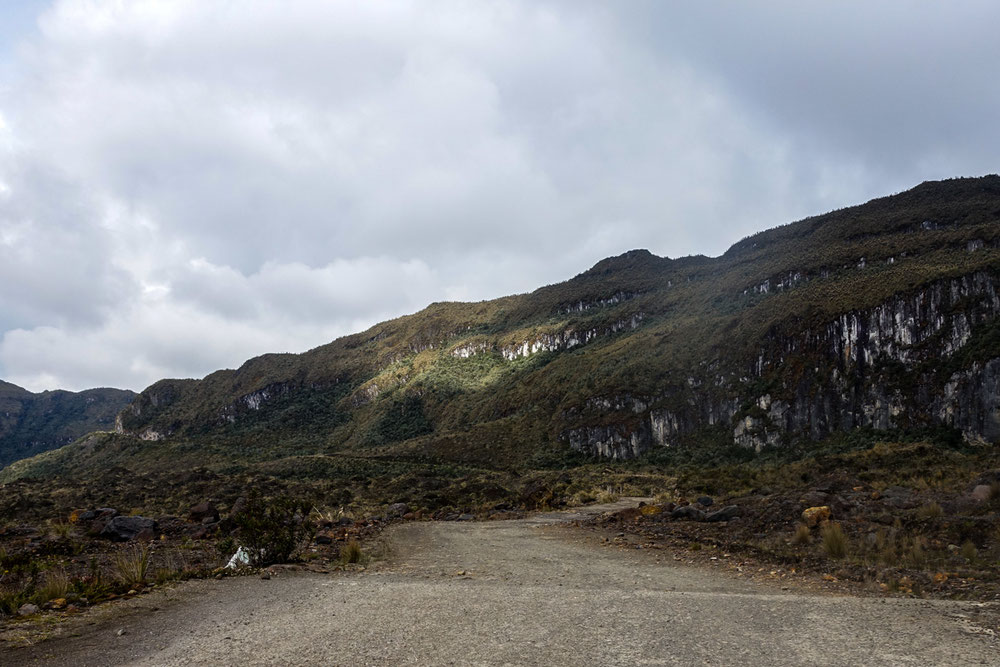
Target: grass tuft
834, 541
351, 553
132, 564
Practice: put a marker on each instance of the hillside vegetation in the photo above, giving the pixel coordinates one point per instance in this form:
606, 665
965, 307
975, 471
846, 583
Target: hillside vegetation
34, 423
634, 347
846, 364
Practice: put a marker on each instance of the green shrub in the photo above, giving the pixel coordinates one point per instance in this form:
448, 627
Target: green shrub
274, 530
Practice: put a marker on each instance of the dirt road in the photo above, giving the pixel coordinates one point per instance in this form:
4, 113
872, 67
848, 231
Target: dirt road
529, 592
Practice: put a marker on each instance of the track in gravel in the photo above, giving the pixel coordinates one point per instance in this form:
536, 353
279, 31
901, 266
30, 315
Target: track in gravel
527, 592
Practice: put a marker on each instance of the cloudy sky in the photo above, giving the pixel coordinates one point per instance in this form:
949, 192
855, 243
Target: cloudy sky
188, 183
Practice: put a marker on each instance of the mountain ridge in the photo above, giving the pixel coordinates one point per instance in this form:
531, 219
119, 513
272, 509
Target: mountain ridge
641, 353
32, 423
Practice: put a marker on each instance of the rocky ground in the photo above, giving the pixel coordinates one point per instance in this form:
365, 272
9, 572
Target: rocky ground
841, 533
528, 591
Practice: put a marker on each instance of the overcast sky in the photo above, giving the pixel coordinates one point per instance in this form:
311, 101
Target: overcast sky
188, 183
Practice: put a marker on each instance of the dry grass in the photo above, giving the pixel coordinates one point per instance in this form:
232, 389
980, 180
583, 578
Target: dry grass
802, 535
930, 511
351, 553
834, 541
132, 564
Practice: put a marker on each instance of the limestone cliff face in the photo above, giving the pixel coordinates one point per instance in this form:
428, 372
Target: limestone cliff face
880, 368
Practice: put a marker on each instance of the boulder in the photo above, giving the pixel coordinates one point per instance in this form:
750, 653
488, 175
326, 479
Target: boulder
813, 516
815, 498
397, 510
727, 513
27, 609
688, 512
202, 511
705, 501
981, 493
125, 528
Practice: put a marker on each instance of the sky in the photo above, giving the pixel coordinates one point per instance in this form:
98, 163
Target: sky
185, 184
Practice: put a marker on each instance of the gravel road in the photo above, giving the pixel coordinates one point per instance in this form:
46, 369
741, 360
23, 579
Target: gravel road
527, 592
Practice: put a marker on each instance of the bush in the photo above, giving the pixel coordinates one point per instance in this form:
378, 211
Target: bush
274, 530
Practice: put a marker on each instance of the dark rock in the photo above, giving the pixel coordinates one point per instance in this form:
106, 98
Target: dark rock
397, 510
705, 501
202, 511
125, 528
146, 535
89, 515
815, 498
345, 521
727, 513
324, 538
688, 512
899, 497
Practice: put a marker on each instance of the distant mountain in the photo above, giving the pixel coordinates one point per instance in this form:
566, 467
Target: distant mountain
881, 316
34, 423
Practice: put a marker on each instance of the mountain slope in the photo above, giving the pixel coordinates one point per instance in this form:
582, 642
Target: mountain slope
34, 423
879, 316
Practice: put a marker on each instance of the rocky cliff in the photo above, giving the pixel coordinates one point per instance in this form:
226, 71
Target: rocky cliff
881, 316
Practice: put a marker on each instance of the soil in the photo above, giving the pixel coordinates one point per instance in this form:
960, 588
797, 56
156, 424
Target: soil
538, 590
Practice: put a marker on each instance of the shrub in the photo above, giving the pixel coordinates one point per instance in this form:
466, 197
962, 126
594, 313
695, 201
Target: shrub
834, 541
274, 530
969, 551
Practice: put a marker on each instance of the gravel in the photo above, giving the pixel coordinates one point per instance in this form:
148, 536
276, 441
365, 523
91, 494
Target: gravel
525, 592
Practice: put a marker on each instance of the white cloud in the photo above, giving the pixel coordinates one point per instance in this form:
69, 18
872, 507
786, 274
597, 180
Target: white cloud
184, 184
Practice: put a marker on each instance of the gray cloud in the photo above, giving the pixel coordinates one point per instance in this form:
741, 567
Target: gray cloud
186, 184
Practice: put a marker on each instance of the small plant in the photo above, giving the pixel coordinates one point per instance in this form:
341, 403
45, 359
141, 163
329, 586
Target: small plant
834, 541
802, 535
968, 551
60, 528
930, 511
132, 564
351, 553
